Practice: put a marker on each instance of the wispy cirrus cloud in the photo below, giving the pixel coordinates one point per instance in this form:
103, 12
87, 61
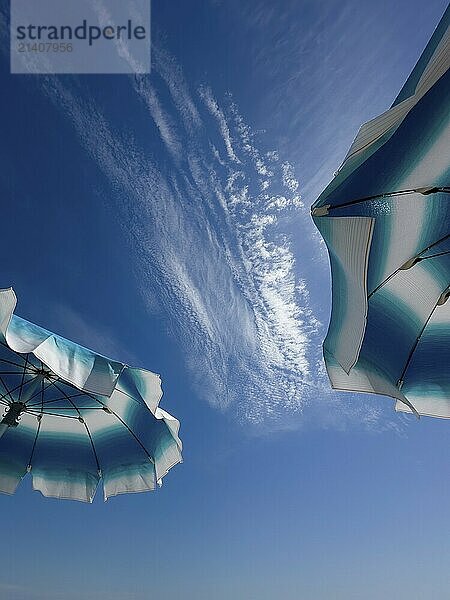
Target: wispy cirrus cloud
228, 278
215, 110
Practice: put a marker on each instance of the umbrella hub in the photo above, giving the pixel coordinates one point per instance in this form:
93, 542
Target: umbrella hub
13, 414
44, 373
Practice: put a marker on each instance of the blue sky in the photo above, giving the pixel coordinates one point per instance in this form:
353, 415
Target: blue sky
164, 221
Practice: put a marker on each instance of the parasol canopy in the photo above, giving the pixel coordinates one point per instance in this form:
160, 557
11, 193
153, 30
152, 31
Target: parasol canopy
385, 218
73, 417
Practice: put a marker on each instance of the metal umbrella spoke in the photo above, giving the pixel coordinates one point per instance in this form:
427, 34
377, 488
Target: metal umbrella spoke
53, 399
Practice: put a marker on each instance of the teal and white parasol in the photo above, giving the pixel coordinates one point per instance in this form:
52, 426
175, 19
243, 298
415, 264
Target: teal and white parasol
72, 417
385, 219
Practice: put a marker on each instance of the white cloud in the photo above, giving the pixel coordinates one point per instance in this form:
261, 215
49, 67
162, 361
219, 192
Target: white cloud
171, 72
211, 103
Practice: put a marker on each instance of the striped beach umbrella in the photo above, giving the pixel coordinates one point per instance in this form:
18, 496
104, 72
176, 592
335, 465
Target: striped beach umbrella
72, 417
385, 218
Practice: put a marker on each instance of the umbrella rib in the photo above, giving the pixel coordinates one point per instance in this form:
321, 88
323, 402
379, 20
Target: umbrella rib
149, 456
141, 404
10, 362
12, 372
8, 392
414, 347
419, 259
34, 443
37, 394
35, 407
82, 394
54, 399
51, 414
125, 425
433, 190
67, 398
130, 397
23, 376
80, 418
93, 447
39, 424
42, 394
436, 255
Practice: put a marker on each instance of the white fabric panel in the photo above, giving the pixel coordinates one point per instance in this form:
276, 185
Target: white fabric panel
129, 478
72, 368
65, 484
349, 240
362, 381
66, 429
25, 339
149, 386
165, 460
99, 421
9, 482
172, 423
428, 407
82, 368
103, 376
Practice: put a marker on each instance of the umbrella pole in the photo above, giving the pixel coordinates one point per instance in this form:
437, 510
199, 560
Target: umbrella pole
3, 428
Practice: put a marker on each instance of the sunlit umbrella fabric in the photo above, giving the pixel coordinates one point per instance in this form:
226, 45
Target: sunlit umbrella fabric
385, 219
73, 417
